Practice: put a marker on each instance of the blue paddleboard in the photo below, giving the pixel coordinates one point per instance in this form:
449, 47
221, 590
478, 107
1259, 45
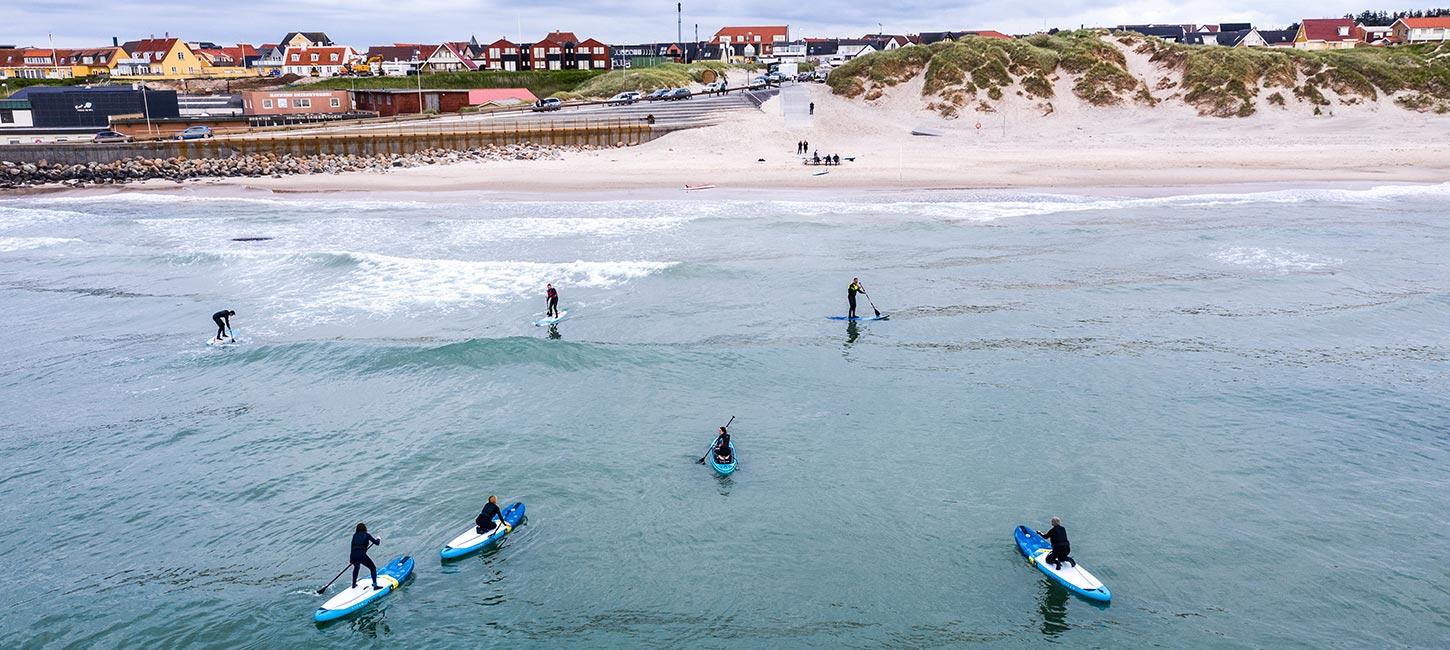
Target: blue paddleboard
881, 317
353, 599
471, 540
563, 313
723, 469
1075, 578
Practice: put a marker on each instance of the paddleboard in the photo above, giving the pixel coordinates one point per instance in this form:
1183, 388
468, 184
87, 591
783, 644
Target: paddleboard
724, 470
1075, 578
692, 188
353, 599
881, 317
471, 540
563, 313
819, 173
215, 342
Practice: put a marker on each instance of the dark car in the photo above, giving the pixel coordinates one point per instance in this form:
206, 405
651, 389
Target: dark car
108, 136
658, 94
549, 104
677, 94
195, 133
623, 99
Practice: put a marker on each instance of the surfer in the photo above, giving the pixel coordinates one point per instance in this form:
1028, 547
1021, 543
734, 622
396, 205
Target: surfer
552, 310
1057, 535
851, 292
722, 447
359, 557
484, 521
223, 320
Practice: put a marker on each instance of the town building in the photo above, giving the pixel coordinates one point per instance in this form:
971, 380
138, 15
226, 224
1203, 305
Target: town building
326, 61
58, 63
927, 38
1421, 30
398, 59
750, 42
387, 102
296, 102
504, 54
1171, 33
1328, 34
451, 57
75, 113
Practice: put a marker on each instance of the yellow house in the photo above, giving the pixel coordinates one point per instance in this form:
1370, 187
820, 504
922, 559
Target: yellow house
100, 61
56, 63
171, 58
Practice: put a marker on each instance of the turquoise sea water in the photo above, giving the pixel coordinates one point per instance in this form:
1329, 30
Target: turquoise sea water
1236, 402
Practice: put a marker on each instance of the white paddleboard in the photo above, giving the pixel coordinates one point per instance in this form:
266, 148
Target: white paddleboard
1076, 575
220, 342
471, 537
363, 592
563, 313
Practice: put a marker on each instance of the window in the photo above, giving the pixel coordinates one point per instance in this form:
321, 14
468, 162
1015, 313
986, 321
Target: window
335, 102
282, 102
314, 57
173, 69
1344, 31
538, 52
190, 69
553, 50
757, 38
180, 56
303, 103
266, 103
333, 56
599, 50
7, 117
493, 53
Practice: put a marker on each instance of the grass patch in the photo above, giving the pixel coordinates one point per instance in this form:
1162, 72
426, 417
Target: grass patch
12, 85
667, 75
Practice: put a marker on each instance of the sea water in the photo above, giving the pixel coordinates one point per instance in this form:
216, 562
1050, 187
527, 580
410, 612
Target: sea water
1236, 401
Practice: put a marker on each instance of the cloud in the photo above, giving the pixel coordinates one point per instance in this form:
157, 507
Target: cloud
369, 22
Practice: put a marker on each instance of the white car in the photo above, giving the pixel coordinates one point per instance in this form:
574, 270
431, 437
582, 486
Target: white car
623, 99
714, 87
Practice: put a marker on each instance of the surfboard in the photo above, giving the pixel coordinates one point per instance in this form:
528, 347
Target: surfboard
859, 318
692, 188
1077, 579
354, 599
563, 313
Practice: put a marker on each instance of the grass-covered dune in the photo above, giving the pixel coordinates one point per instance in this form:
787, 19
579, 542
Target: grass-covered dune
1107, 69
667, 75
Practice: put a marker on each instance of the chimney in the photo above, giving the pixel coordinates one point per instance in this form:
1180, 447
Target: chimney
115, 41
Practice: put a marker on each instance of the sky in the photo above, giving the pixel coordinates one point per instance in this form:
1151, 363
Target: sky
361, 23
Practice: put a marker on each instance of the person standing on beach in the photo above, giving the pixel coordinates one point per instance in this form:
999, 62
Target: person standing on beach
805, 146
551, 308
813, 108
851, 292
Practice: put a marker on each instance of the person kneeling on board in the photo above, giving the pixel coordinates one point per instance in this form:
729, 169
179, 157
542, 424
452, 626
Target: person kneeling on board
484, 521
551, 308
359, 557
1057, 535
223, 320
722, 447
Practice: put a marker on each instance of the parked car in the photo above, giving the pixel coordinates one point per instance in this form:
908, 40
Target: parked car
714, 87
775, 77
677, 94
110, 136
821, 74
195, 133
759, 81
658, 94
548, 104
623, 99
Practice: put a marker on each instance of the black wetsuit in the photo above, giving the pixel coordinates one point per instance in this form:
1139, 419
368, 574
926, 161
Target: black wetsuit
1057, 536
359, 557
553, 309
223, 320
722, 448
851, 292
484, 521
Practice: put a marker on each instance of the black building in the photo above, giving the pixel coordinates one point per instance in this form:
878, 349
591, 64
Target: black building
78, 106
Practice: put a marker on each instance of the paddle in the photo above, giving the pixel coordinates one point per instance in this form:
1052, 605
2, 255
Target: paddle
712, 445
334, 578
873, 305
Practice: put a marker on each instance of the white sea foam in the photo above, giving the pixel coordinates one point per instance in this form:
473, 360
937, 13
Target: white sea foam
1274, 259
12, 244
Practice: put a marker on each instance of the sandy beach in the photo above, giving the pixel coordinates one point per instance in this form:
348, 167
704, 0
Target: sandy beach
1076, 147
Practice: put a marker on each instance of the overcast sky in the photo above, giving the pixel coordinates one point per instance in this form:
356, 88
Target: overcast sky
369, 22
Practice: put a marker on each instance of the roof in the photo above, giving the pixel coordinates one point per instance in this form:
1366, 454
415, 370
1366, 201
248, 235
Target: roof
324, 55
1427, 23
1168, 32
486, 95
927, 38
148, 46
406, 91
1235, 27
763, 31
459, 51
1272, 36
312, 37
401, 52
502, 42
561, 37
1327, 29
592, 43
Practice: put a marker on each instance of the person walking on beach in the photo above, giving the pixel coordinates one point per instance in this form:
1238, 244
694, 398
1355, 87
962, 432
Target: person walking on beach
223, 320
1057, 535
805, 146
359, 556
551, 309
813, 108
851, 292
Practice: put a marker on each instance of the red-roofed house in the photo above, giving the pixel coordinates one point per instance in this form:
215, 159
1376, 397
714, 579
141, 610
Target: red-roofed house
317, 61
1328, 34
503, 54
450, 57
1421, 30
591, 54
750, 41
